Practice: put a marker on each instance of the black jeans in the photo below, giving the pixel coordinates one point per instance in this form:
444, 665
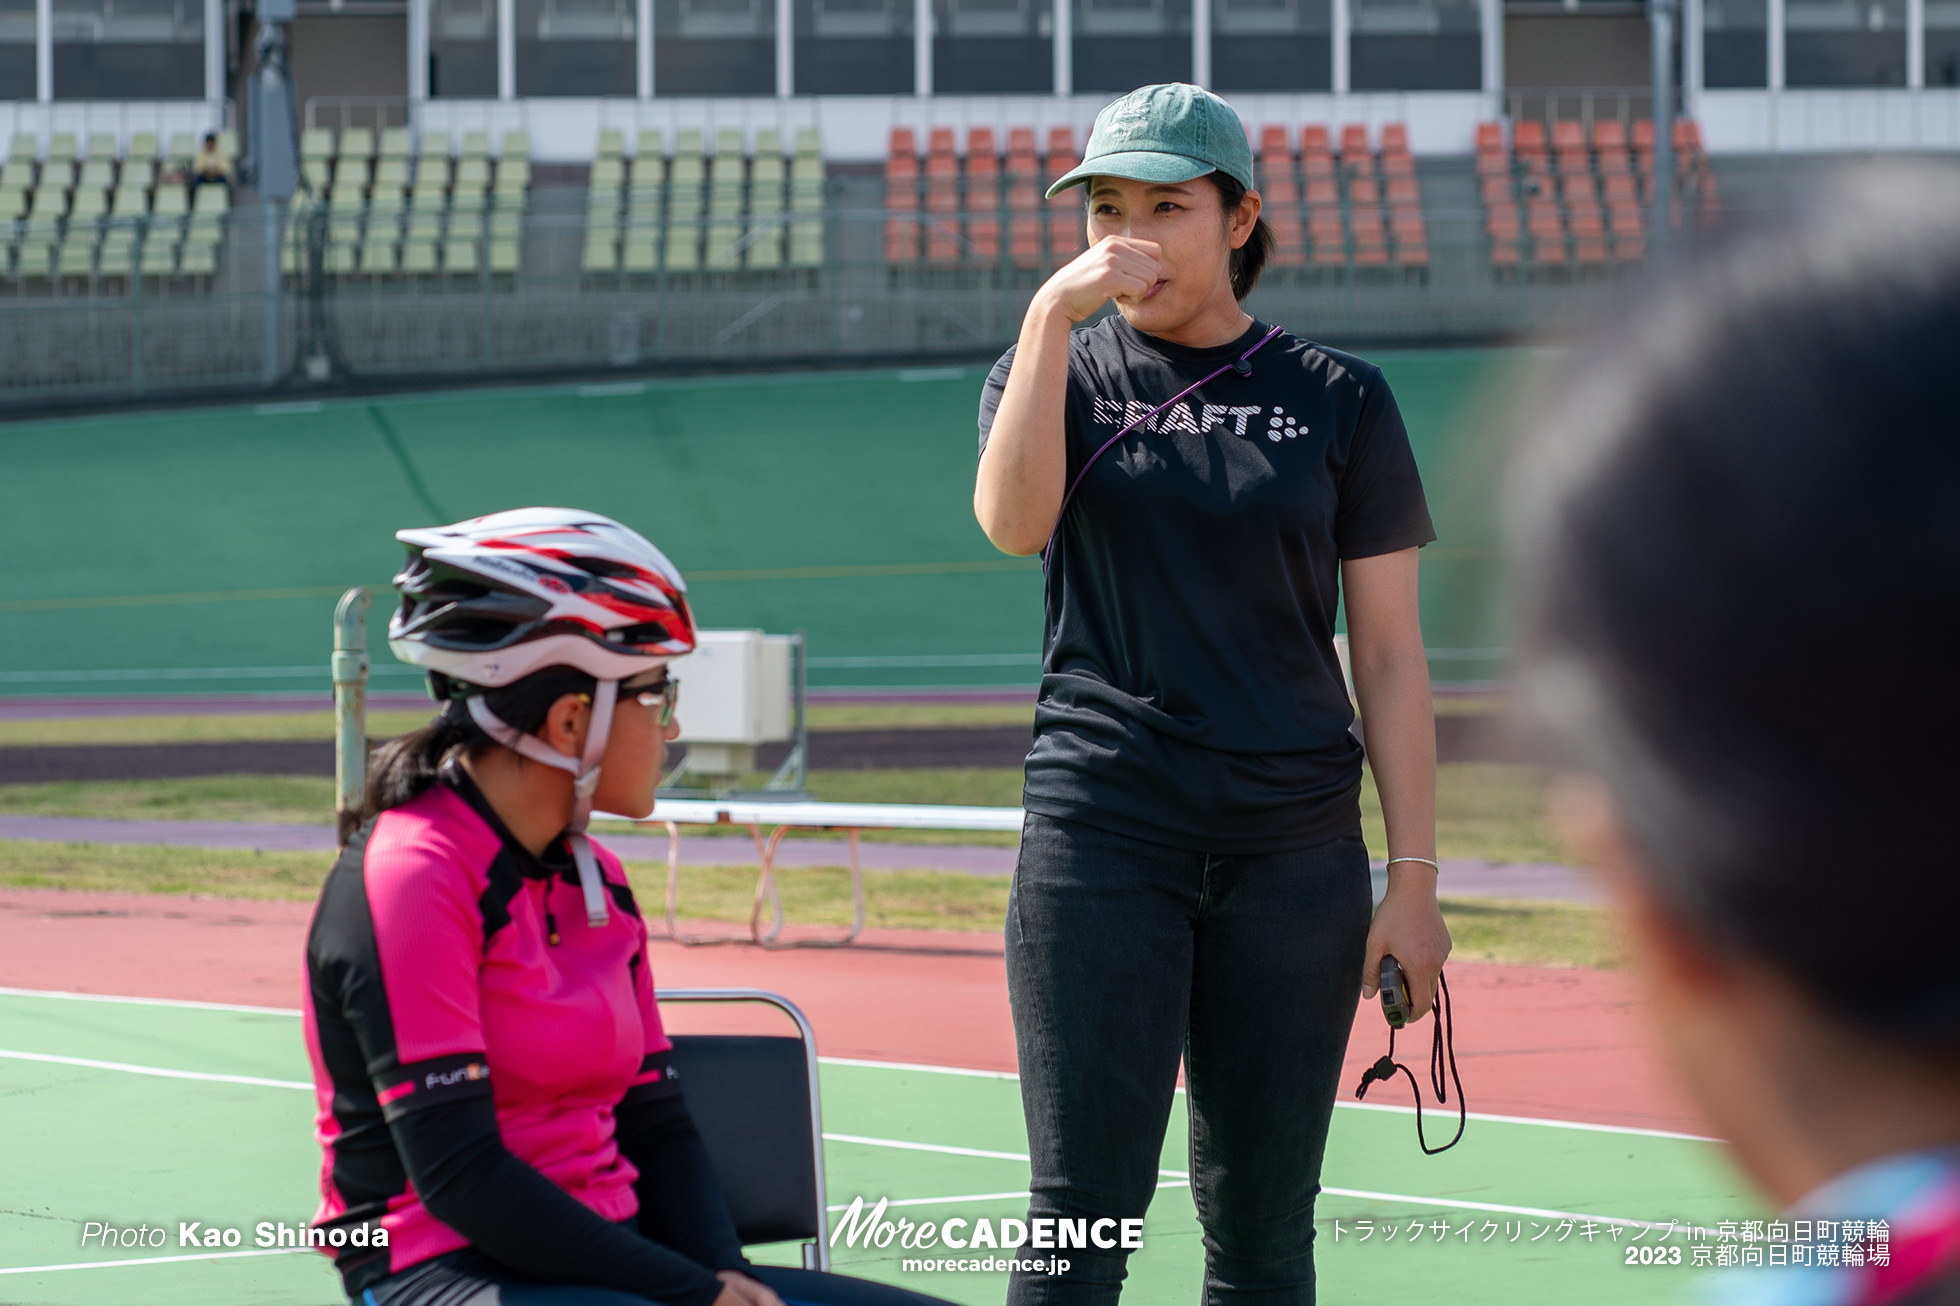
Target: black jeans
1124, 954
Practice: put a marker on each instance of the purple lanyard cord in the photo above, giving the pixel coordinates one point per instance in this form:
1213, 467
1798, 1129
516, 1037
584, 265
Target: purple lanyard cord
1242, 365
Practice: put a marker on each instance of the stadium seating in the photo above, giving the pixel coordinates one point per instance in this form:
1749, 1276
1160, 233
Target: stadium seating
94, 210
385, 209
701, 212
1584, 196
944, 208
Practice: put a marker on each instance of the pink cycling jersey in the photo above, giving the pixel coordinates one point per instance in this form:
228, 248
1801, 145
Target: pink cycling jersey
433, 977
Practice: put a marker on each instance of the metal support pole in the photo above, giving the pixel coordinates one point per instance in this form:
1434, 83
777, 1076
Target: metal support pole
1660, 36
44, 57
1062, 47
350, 676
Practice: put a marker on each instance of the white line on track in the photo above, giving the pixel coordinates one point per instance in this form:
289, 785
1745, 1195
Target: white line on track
157, 1071
146, 1260
1488, 1117
1173, 1179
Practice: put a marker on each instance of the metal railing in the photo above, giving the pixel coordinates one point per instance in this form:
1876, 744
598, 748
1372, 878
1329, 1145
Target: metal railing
340, 112
340, 297
1584, 104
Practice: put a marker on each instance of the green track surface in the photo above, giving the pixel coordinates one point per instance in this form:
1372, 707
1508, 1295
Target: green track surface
126, 1149
193, 541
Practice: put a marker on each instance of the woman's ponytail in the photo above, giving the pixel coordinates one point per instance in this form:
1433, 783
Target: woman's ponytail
403, 769
1249, 259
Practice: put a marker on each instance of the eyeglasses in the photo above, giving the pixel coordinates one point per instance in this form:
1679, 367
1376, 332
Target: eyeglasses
666, 695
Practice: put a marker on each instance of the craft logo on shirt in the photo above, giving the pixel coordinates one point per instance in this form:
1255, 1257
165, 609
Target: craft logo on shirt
1197, 419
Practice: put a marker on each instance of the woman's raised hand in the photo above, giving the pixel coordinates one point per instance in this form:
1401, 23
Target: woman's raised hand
1116, 267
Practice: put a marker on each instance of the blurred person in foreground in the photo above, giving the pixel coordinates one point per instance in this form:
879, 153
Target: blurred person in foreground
1739, 571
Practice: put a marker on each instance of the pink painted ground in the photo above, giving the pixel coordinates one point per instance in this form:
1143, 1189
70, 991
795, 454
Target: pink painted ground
1559, 1044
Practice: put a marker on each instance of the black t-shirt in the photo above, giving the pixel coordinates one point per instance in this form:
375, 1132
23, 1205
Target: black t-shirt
1190, 692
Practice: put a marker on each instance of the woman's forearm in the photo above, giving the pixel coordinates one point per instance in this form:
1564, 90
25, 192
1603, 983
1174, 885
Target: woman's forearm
1018, 493
1400, 725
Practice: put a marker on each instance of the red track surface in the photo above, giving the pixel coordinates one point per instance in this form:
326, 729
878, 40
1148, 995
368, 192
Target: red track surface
1554, 1044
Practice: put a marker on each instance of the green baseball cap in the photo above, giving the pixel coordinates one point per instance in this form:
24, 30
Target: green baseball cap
1166, 133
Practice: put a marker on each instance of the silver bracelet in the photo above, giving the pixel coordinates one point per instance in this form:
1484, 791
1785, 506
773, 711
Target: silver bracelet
1424, 860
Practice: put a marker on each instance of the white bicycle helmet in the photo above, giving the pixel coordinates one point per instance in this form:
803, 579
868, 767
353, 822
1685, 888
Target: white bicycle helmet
488, 601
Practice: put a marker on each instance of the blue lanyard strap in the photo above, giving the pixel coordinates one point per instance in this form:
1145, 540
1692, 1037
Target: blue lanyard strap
1242, 365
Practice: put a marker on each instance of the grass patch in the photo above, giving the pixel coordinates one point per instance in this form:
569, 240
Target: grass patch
1518, 932
244, 727
284, 799
1493, 811
1531, 932
1485, 810
919, 716
193, 728
933, 900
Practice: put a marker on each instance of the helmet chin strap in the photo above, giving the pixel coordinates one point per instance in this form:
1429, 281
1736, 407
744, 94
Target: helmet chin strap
585, 781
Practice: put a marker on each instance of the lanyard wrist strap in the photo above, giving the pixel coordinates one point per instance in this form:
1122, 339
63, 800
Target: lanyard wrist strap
1242, 365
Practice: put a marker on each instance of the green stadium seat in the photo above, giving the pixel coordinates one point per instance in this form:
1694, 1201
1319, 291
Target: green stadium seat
357, 143
380, 257
24, 145
117, 257
13, 203
431, 179
612, 143
425, 224
197, 260
504, 255
766, 181
513, 175
183, 148
314, 143
601, 250
350, 174
725, 227
142, 147
607, 174
641, 252
102, 147
809, 141
76, 257
476, 145
507, 223
17, 174
466, 224
138, 174
688, 168
172, 198
344, 257
391, 174
418, 258
397, 143
683, 243
472, 174
517, 145
212, 199
651, 144
459, 257
435, 144
62, 147
89, 203
58, 174
34, 257
49, 205
100, 173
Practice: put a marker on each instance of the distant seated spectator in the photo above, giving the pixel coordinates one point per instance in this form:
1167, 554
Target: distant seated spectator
210, 165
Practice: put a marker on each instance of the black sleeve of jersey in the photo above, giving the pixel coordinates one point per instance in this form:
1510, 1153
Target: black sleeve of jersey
471, 1182
681, 1205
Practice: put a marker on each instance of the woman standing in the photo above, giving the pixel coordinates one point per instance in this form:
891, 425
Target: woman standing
1192, 879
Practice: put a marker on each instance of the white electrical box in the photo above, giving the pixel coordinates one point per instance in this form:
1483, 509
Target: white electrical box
737, 691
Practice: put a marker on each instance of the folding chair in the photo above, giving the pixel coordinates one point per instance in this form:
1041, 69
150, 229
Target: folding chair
755, 1101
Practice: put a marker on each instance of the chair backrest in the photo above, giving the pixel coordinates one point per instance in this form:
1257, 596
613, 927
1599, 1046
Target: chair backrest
758, 1112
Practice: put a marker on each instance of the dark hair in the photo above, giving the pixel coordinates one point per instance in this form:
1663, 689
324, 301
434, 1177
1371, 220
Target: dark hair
404, 768
1738, 557
1249, 259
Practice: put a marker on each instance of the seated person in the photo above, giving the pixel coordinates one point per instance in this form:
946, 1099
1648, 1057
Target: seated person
492, 1077
210, 166
1741, 600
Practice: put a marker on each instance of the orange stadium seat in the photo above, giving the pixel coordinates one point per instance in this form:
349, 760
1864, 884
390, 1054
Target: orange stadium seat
982, 195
